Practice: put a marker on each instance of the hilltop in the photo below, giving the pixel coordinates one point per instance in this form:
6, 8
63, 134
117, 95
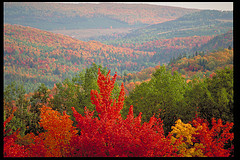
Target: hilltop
53, 16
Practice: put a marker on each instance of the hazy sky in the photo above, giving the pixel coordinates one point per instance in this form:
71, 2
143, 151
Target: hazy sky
199, 5
227, 6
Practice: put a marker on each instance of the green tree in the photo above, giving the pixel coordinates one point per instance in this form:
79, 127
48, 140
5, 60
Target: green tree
38, 99
66, 96
213, 96
221, 88
199, 97
229, 47
163, 94
14, 98
56, 71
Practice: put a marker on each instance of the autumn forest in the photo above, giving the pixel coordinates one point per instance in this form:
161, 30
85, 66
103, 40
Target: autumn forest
164, 88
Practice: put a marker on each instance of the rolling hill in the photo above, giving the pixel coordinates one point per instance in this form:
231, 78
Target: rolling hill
32, 55
35, 56
218, 42
202, 23
165, 49
53, 16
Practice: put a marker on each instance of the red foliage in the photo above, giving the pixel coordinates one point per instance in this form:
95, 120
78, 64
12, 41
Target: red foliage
214, 139
110, 135
11, 149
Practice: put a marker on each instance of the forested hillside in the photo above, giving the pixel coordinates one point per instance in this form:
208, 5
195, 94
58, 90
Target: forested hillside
202, 23
162, 88
53, 16
34, 56
198, 64
202, 64
164, 49
218, 42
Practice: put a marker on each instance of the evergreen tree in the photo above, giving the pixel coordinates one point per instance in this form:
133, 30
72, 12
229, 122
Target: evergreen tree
56, 71
229, 47
196, 53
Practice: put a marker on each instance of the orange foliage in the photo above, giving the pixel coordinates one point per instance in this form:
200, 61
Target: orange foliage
111, 135
59, 132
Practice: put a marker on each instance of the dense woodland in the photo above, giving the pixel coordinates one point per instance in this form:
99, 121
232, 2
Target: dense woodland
196, 121
33, 56
163, 90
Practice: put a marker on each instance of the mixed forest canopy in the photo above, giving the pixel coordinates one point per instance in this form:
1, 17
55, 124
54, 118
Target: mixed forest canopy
33, 56
43, 124
164, 88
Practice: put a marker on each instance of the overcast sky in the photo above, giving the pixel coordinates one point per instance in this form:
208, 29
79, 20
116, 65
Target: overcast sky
226, 6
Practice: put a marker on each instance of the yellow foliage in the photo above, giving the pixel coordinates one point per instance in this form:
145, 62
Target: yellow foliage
184, 132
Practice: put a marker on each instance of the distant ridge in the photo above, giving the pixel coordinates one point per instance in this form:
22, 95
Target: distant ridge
202, 23
53, 16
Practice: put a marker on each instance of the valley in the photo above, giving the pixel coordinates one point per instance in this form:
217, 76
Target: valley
117, 80
83, 34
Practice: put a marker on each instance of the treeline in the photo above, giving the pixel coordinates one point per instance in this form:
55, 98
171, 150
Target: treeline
155, 93
167, 97
198, 64
171, 96
202, 64
219, 42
